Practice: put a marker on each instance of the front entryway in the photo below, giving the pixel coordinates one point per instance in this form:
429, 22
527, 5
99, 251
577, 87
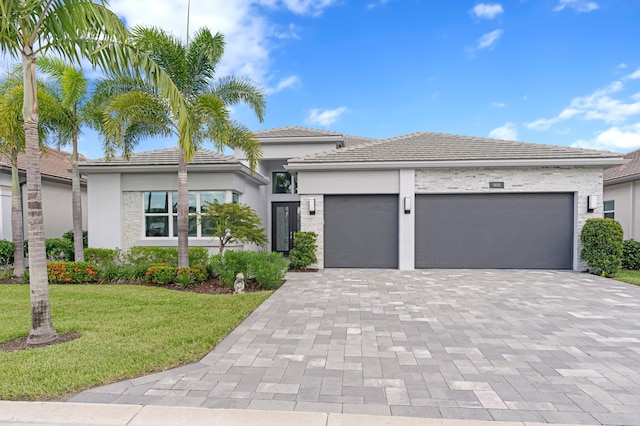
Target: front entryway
285, 221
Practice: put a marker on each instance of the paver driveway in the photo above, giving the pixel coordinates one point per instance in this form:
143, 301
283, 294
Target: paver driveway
544, 346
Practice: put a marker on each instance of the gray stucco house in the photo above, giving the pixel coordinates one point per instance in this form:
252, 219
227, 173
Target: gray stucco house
424, 200
622, 195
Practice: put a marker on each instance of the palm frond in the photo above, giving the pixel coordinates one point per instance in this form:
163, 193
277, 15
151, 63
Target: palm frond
234, 90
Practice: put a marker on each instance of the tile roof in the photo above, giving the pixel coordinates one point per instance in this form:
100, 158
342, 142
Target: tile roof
628, 170
54, 164
357, 140
167, 156
292, 132
427, 146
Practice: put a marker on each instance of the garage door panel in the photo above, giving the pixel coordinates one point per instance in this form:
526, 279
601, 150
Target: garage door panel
361, 231
494, 231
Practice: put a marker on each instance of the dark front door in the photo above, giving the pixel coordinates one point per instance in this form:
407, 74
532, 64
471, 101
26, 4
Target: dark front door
285, 221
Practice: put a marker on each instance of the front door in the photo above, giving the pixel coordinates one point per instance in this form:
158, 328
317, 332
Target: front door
285, 221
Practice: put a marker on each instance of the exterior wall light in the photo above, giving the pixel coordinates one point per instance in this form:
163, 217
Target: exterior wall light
312, 206
407, 205
592, 202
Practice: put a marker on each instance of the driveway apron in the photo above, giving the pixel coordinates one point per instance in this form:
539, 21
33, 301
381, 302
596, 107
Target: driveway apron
528, 346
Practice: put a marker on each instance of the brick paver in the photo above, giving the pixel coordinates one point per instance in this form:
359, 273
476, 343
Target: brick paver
470, 344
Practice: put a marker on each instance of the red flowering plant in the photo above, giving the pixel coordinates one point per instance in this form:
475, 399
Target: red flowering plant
161, 274
72, 272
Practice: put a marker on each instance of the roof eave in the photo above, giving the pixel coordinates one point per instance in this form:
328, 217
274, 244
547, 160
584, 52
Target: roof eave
386, 165
623, 179
299, 139
89, 169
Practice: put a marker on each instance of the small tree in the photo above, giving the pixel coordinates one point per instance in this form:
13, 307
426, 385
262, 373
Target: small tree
232, 222
602, 245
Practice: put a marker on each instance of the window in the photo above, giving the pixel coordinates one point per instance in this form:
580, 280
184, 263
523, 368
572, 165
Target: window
609, 209
284, 183
162, 221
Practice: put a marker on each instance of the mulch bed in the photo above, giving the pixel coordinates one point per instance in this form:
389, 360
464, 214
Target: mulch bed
21, 343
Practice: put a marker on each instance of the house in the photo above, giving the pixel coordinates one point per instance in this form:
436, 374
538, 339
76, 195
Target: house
425, 200
622, 195
55, 167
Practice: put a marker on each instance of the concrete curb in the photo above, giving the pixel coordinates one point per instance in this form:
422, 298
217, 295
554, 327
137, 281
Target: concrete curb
71, 414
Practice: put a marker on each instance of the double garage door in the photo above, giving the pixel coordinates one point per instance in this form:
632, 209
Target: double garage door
532, 231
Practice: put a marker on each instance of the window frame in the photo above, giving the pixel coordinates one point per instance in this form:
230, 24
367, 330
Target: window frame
293, 182
611, 212
171, 214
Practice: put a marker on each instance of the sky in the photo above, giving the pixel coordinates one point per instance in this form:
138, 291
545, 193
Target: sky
561, 72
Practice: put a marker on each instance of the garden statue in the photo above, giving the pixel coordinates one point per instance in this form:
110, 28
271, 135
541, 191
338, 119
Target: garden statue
238, 284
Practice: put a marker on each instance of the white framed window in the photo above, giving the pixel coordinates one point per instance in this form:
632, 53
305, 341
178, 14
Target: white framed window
609, 209
161, 212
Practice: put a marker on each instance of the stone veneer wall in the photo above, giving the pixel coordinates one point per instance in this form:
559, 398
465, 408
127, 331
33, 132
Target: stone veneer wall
314, 223
584, 181
133, 218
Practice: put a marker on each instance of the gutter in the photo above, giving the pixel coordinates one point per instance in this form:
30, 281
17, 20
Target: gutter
394, 165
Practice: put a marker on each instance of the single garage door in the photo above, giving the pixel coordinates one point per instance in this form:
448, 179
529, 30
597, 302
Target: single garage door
361, 231
532, 231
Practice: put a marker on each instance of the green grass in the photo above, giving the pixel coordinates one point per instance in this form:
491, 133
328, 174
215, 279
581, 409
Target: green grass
631, 277
127, 331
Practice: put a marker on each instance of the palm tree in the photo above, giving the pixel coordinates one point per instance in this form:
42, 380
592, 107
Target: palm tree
72, 91
12, 143
70, 29
131, 109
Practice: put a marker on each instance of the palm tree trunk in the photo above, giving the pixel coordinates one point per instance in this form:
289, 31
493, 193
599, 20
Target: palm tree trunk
42, 330
76, 202
183, 213
17, 226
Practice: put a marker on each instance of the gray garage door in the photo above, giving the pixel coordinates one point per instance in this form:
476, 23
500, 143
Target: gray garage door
533, 231
361, 231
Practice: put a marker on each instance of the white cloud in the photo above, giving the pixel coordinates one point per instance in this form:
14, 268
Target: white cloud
246, 25
326, 117
377, 3
617, 138
599, 105
307, 7
634, 75
578, 5
289, 82
487, 11
507, 132
489, 39
498, 105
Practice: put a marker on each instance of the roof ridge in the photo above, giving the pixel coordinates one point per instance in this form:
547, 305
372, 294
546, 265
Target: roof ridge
343, 149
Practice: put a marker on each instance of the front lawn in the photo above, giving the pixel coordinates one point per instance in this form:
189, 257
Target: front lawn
127, 331
628, 276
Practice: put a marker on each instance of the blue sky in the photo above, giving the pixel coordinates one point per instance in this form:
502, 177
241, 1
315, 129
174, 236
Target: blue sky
564, 72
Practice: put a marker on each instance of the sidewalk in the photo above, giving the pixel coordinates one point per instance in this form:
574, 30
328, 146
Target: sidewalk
70, 414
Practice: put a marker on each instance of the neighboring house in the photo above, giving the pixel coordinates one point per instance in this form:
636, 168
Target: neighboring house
622, 195
425, 200
55, 166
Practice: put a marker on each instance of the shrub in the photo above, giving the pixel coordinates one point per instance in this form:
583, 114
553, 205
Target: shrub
59, 249
226, 266
85, 237
602, 245
200, 273
232, 222
102, 256
126, 273
6, 252
631, 255
269, 269
142, 255
303, 253
184, 279
161, 274
72, 272
169, 255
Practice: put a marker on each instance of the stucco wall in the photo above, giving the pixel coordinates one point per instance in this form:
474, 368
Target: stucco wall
105, 210
627, 204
